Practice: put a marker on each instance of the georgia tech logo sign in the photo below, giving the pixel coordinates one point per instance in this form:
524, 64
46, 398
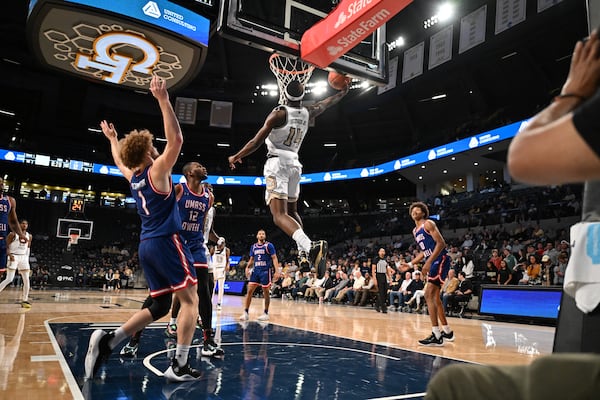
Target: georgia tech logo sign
151, 9
115, 65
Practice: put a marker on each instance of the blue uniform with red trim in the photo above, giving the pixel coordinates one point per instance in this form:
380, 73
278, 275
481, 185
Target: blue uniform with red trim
261, 273
165, 258
192, 210
441, 265
4, 228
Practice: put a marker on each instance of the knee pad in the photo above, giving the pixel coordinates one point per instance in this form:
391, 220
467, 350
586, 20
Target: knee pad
160, 306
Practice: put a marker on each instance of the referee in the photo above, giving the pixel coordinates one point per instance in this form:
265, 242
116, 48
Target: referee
380, 269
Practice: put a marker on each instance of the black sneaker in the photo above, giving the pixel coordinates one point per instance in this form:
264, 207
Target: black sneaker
211, 349
176, 373
448, 336
303, 262
432, 341
318, 257
98, 352
129, 350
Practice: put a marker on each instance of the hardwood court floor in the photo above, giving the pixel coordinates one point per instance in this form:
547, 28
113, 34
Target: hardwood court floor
30, 367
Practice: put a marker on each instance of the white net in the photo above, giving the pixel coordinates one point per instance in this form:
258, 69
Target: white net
288, 69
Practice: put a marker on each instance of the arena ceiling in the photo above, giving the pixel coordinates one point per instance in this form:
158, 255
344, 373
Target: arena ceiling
508, 77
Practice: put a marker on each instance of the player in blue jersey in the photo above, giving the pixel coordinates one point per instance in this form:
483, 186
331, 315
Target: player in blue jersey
437, 263
164, 257
283, 132
264, 265
194, 200
8, 222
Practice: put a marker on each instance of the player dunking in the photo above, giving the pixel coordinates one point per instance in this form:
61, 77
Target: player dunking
165, 259
264, 260
8, 221
437, 263
283, 132
18, 258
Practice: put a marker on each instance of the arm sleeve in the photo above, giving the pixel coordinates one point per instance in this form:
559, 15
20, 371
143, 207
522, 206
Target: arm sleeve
586, 119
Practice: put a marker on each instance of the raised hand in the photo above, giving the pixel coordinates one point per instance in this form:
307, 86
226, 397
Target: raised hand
158, 87
108, 129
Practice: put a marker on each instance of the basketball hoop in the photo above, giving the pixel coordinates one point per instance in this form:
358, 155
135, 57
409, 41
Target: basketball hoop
288, 69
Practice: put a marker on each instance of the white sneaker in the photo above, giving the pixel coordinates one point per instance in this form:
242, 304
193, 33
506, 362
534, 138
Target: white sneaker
218, 307
244, 317
264, 317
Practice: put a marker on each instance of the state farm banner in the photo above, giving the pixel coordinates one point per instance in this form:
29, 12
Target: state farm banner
345, 27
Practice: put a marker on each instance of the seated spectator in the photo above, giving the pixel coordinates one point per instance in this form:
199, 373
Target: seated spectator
495, 259
331, 293
348, 292
394, 291
491, 274
417, 299
327, 284
559, 270
534, 271
547, 270
363, 294
310, 293
504, 275
463, 293
416, 284
449, 287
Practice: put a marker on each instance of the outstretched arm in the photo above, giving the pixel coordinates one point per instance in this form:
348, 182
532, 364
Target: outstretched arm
274, 119
111, 134
533, 155
165, 162
319, 107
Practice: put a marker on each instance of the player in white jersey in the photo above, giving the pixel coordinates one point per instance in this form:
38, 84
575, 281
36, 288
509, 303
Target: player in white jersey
283, 132
220, 261
18, 258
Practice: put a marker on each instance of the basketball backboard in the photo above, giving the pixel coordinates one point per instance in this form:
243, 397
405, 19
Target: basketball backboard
278, 26
65, 227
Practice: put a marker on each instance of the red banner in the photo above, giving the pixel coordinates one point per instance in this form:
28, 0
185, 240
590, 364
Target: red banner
345, 27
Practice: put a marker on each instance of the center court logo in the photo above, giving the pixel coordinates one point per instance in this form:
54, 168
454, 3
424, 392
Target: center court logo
151, 9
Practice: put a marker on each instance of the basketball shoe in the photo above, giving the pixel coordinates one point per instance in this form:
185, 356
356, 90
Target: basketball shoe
171, 331
129, 350
177, 373
318, 257
432, 341
98, 351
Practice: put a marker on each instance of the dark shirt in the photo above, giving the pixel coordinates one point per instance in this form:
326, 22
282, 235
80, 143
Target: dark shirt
415, 285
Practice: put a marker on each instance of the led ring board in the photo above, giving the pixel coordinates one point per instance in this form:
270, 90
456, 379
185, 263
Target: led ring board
119, 42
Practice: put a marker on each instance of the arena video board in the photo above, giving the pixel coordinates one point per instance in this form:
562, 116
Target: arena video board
450, 149
122, 43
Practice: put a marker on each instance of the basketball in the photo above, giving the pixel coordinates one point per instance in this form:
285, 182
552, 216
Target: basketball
337, 80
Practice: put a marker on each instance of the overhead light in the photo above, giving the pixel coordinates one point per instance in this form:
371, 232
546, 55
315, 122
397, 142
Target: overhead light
306, 203
5, 112
273, 93
96, 130
438, 96
453, 158
12, 139
445, 171
400, 41
11, 61
269, 86
475, 163
490, 148
223, 145
160, 139
420, 177
423, 166
329, 144
514, 53
445, 12
230, 201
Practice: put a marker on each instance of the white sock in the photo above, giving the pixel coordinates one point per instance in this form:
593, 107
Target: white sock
446, 328
172, 321
120, 335
436, 332
302, 240
181, 354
